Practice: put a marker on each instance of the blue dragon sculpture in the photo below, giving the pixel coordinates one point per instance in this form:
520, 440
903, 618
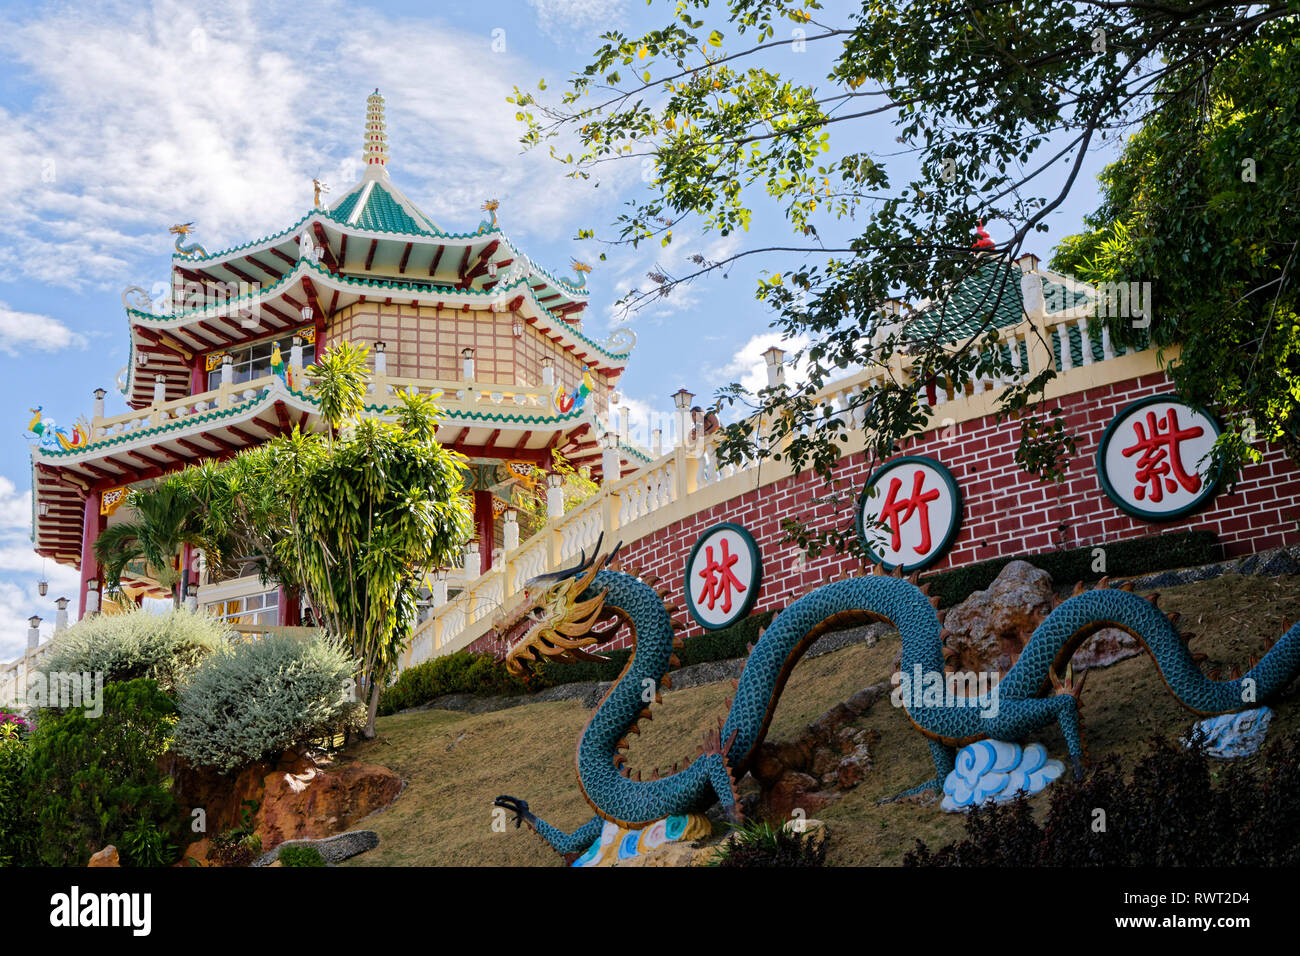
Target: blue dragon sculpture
1037, 691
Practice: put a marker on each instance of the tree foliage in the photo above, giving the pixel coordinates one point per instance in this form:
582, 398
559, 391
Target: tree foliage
352, 518
897, 127
137, 643
164, 519
1205, 200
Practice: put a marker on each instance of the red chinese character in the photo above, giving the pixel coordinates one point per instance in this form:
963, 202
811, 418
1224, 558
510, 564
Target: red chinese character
719, 579
917, 502
1161, 456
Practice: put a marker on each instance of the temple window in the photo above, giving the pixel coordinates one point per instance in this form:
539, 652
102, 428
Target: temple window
254, 360
261, 609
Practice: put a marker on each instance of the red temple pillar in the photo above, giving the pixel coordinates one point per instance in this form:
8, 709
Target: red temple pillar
484, 527
290, 610
92, 525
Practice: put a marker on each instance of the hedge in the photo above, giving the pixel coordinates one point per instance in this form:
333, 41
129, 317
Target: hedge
1124, 559
463, 672
482, 675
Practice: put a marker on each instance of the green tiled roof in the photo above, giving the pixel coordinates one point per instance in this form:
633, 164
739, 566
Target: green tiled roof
345, 206
1059, 298
968, 307
382, 211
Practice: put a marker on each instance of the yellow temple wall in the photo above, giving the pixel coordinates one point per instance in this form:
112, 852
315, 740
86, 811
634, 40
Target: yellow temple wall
426, 342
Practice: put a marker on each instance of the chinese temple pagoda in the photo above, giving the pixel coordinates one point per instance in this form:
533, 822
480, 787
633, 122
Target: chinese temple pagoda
215, 367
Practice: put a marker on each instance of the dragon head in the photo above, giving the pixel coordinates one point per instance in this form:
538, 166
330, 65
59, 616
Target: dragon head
562, 623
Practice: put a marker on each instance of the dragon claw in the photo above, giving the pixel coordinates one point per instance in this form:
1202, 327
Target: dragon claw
516, 806
1066, 684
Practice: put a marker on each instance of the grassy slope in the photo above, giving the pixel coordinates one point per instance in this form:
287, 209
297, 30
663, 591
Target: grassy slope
454, 764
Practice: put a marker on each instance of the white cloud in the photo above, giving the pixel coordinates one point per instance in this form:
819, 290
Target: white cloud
15, 508
560, 18
748, 367
20, 599
169, 113
23, 330
677, 260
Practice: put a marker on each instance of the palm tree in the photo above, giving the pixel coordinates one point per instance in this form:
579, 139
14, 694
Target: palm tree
167, 518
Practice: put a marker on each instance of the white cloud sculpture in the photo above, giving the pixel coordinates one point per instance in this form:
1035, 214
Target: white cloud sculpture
994, 771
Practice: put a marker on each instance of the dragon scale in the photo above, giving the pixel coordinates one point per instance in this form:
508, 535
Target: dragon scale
1025, 697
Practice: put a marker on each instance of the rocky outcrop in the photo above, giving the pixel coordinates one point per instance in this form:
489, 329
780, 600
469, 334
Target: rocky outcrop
987, 631
296, 799
827, 758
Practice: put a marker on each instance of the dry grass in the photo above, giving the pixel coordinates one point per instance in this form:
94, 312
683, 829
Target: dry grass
455, 764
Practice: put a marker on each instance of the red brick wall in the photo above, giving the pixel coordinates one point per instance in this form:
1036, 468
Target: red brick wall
1006, 512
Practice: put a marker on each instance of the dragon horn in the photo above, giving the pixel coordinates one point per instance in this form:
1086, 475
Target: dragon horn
1078, 589
584, 562
1104, 583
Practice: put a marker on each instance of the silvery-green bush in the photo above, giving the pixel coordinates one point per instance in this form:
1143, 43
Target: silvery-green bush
253, 700
166, 647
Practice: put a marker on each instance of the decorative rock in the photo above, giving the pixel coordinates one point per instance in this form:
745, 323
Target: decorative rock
990, 628
1230, 736
105, 857
827, 758
813, 829
993, 770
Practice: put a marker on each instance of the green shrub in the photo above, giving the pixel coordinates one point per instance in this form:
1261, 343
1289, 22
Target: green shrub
300, 856
554, 673
724, 644
1123, 559
252, 700
90, 779
16, 808
146, 844
241, 844
460, 673
1177, 809
165, 647
481, 674
760, 844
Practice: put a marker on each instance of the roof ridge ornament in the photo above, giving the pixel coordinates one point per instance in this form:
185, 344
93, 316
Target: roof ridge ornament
580, 270
181, 230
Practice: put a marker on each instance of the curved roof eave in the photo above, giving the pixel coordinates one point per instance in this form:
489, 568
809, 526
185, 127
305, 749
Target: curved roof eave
327, 221
521, 287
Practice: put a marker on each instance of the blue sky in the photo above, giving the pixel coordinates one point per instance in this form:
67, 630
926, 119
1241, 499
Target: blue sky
119, 120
